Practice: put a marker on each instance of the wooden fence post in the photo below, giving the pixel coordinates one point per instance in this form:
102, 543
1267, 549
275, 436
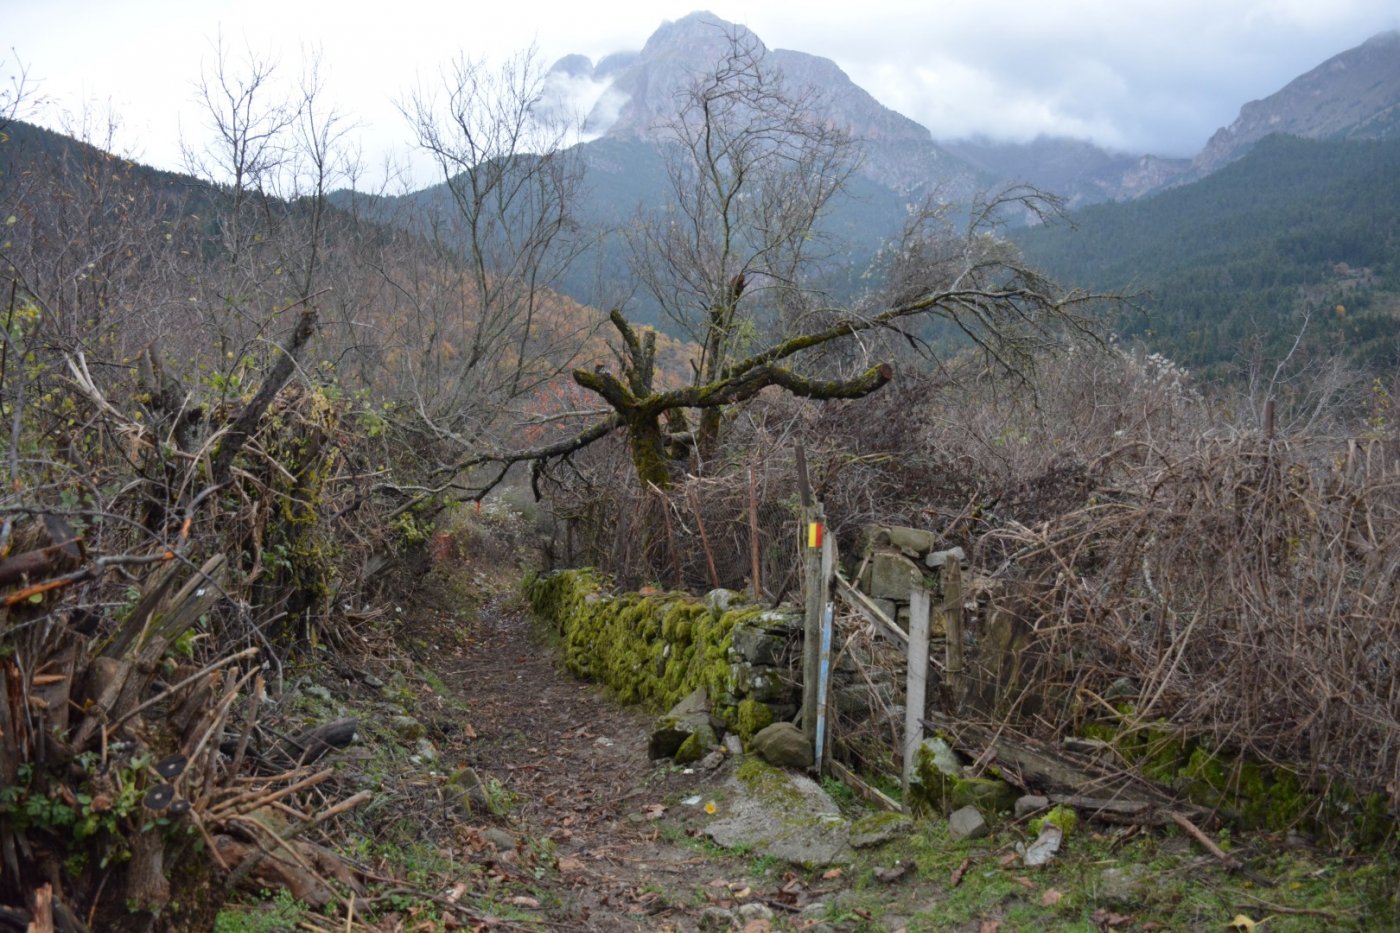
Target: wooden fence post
953, 621
812, 533
756, 568
917, 689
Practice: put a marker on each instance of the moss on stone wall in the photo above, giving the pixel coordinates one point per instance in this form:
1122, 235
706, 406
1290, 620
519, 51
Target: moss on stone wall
656, 649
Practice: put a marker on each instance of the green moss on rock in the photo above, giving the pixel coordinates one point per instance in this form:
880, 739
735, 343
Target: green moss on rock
1063, 817
693, 748
752, 716
989, 795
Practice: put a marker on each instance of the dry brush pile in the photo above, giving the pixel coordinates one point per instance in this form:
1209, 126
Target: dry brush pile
165, 550
1175, 574
1249, 590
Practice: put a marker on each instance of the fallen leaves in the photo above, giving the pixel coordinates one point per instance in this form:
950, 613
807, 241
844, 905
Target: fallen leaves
1108, 920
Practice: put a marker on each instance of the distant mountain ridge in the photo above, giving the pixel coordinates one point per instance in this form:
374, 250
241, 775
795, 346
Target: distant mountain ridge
1354, 95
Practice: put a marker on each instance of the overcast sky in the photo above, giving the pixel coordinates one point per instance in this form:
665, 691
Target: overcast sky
1155, 76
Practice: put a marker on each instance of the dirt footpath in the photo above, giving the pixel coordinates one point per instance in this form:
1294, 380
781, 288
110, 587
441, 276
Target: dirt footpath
574, 763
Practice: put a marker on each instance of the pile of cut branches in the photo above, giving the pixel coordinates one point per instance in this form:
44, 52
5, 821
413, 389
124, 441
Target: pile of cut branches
163, 551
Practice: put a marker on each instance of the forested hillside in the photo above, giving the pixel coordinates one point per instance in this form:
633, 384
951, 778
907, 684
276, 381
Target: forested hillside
1233, 265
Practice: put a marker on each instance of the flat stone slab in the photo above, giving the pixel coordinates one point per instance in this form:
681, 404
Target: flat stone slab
783, 815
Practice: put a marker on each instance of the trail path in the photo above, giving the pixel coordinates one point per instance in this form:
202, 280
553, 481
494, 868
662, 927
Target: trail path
576, 762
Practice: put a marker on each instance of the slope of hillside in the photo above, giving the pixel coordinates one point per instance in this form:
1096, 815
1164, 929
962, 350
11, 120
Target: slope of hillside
1295, 226
1354, 95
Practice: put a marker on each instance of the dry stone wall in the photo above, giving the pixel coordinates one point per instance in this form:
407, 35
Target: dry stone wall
658, 649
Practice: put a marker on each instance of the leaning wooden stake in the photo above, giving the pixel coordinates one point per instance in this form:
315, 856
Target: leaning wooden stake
704, 537
916, 691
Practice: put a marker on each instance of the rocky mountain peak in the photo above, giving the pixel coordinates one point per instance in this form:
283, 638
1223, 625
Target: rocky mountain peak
634, 95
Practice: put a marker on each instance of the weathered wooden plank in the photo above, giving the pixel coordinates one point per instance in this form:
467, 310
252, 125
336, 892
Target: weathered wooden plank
863, 604
848, 777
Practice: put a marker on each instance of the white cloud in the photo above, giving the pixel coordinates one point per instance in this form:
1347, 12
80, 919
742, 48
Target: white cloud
1144, 77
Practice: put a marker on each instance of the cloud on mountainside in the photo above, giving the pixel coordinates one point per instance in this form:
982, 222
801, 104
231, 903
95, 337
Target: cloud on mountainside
582, 100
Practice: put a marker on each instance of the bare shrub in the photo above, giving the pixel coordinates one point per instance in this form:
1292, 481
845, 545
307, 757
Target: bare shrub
1249, 588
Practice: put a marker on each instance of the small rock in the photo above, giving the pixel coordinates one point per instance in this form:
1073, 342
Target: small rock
892, 874
940, 558
967, 823
1030, 803
986, 794
879, 828
369, 680
941, 755
466, 789
711, 761
499, 838
1124, 688
317, 691
1120, 887
697, 701
733, 744
716, 918
784, 745
697, 744
1044, 847
722, 600
425, 753
753, 910
685, 719
407, 728
758, 646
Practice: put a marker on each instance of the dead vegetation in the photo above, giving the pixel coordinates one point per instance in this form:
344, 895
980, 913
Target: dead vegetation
1209, 587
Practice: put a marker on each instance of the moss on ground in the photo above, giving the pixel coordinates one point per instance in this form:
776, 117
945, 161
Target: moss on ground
1251, 794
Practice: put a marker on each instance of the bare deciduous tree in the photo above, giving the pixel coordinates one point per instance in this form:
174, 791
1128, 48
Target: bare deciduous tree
506, 237
753, 169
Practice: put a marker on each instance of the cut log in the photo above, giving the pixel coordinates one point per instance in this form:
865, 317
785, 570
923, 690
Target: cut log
310, 746
147, 887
